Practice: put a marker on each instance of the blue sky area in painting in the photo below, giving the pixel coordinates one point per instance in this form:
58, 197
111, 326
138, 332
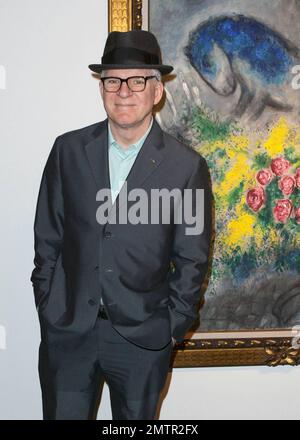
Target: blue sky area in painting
244, 38
170, 20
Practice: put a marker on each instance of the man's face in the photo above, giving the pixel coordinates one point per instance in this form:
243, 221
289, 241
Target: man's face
129, 109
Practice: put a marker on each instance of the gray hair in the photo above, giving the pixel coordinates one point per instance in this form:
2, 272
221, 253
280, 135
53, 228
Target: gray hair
157, 74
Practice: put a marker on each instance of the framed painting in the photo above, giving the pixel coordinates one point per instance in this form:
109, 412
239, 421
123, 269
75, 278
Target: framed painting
235, 98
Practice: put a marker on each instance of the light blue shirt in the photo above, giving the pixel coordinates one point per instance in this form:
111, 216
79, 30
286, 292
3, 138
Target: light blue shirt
121, 160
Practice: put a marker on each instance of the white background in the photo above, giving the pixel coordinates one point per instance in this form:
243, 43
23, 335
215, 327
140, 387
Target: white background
45, 48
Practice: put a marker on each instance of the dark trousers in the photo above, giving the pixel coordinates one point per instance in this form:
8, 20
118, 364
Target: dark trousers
72, 368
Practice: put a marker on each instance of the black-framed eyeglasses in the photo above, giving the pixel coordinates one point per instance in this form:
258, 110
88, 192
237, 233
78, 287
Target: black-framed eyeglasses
134, 83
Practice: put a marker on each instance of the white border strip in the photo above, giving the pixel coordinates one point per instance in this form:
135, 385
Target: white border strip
2, 338
2, 78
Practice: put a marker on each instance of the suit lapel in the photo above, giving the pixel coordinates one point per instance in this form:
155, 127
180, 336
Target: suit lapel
147, 161
97, 154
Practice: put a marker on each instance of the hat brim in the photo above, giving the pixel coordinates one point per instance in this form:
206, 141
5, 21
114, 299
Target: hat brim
164, 69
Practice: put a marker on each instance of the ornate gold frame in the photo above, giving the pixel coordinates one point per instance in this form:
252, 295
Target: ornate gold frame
232, 349
124, 15
272, 352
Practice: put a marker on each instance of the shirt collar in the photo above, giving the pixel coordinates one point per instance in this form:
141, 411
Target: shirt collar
134, 148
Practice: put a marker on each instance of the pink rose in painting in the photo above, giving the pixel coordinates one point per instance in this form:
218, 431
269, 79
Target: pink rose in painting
297, 178
283, 210
264, 177
297, 215
287, 184
256, 198
280, 166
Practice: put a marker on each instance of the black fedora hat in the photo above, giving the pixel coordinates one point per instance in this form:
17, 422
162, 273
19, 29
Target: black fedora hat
131, 50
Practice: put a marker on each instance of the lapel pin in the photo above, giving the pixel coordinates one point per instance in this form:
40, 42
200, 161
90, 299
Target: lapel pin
152, 160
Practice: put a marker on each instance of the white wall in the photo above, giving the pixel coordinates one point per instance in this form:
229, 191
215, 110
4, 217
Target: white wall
46, 89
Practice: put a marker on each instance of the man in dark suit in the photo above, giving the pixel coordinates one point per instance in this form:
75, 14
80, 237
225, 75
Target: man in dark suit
110, 303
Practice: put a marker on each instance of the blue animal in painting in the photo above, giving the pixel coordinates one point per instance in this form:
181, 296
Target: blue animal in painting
237, 50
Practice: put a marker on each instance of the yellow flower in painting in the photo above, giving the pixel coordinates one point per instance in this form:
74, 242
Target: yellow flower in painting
278, 138
237, 144
273, 238
239, 172
208, 148
239, 230
259, 236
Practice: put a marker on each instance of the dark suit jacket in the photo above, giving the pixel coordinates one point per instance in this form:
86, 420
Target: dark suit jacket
77, 260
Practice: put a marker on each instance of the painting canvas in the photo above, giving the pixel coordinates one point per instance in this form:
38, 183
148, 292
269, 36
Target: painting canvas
235, 99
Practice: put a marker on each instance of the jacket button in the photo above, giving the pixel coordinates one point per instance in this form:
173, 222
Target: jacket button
108, 270
92, 302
